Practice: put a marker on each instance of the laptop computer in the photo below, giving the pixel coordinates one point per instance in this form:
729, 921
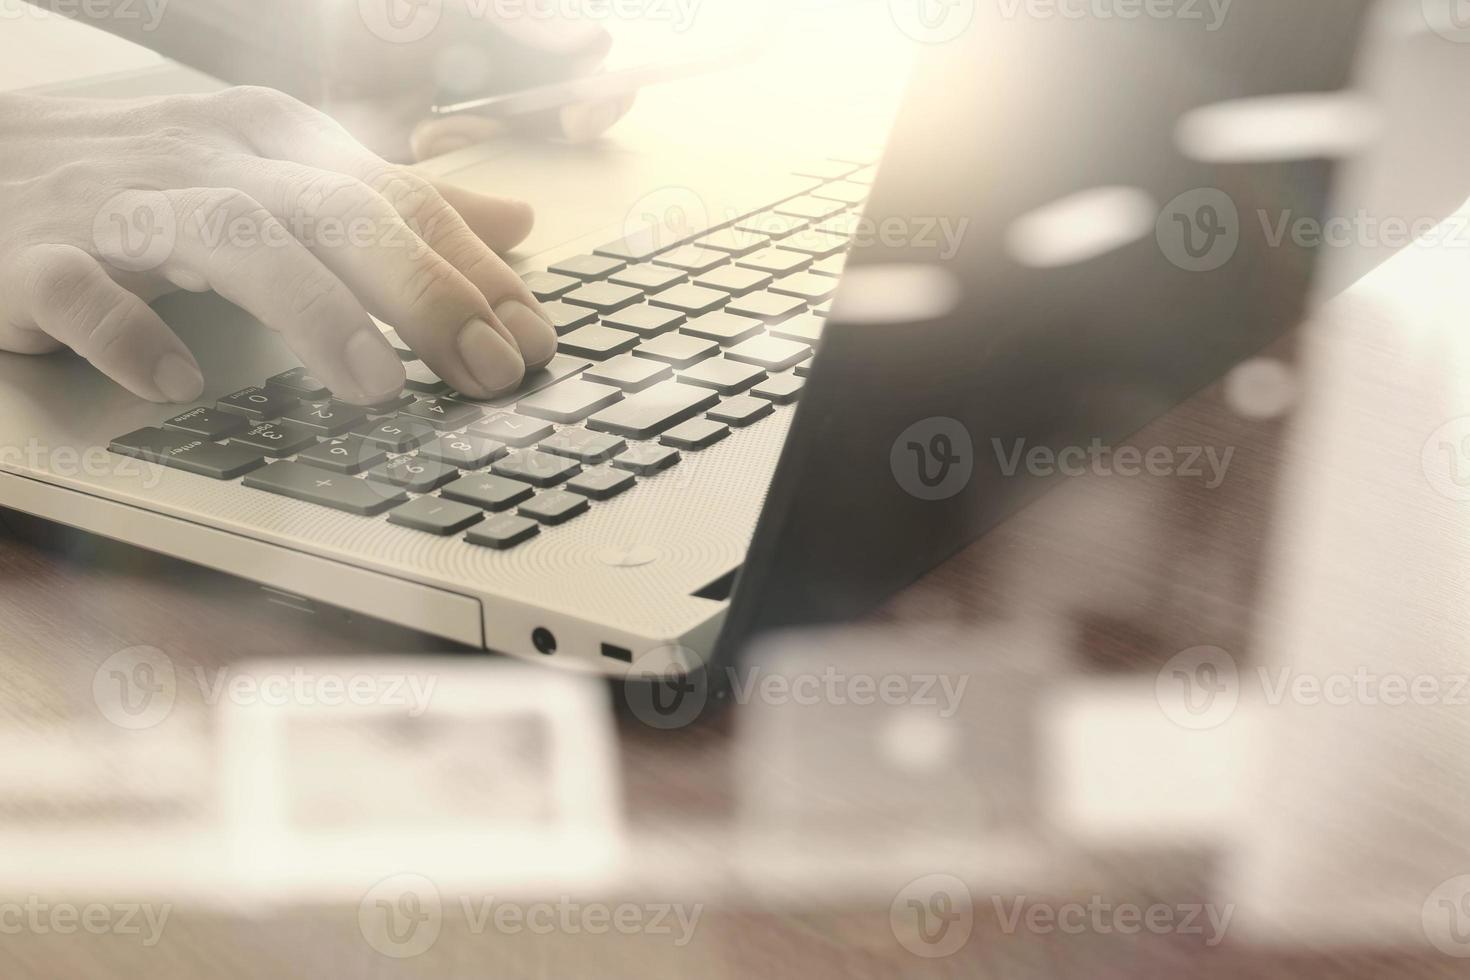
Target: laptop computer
758, 422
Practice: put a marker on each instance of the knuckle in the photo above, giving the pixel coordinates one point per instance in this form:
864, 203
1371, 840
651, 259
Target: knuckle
409, 193
111, 320
430, 279
335, 195
312, 293
61, 275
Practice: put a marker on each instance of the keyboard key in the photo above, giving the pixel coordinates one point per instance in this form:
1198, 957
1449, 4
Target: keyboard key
444, 414
570, 401
770, 307
868, 176
832, 265
399, 345
771, 353
636, 247
488, 492
536, 468
392, 405
350, 455
598, 342
413, 473
299, 383
692, 259
502, 533
583, 446
816, 243
513, 430
436, 516
258, 403
805, 329
725, 376
734, 241
420, 377
604, 297
397, 435
327, 418
741, 410
648, 413
845, 225
783, 389
823, 311
777, 261
210, 423
565, 317
846, 193
189, 453
276, 438
302, 482
734, 280
602, 483
808, 208
825, 169
723, 328
588, 266
770, 225
561, 366
547, 286
690, 299
647, 460
695, 434
649, 278
555, 507
629, 373
804, 370
644, 320
676, 349
463, 452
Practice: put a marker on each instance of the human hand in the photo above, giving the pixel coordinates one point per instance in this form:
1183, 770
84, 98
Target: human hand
272, 205
385, 62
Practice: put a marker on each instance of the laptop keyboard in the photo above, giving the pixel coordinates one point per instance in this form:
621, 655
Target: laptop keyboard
664, 349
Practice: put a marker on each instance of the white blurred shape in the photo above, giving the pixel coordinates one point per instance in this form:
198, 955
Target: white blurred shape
1081, 227
1119, 772
1261, 389
896, 293
507, 781
1282, 127
919, 743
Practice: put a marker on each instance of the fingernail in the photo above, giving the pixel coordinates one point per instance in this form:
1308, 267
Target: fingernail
532, 330
373, 365
494, 362
177, 378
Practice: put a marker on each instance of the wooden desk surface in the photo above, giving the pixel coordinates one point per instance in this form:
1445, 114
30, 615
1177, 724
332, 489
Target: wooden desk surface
1134, 569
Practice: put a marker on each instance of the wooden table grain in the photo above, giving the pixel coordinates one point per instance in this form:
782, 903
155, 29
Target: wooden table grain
1132, 570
